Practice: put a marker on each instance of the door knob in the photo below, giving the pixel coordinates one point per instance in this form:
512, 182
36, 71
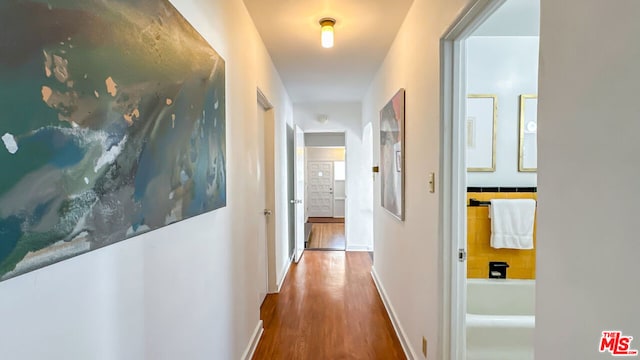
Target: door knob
267, 212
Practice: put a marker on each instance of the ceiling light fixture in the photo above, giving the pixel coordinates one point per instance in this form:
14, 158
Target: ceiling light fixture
322, 118
327, 25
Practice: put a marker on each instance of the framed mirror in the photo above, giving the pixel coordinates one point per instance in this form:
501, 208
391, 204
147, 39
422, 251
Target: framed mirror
528, 151
482, 116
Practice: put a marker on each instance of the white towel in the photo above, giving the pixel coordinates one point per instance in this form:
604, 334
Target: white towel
512, 223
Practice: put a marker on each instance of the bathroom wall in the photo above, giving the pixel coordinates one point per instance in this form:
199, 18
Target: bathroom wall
522, 263
506, 66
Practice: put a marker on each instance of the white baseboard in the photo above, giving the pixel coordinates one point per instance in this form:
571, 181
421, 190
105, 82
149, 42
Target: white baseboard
283, 274
406, 347
359, 248
253, 342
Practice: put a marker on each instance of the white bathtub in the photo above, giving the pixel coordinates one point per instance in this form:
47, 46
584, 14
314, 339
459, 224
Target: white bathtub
500, 319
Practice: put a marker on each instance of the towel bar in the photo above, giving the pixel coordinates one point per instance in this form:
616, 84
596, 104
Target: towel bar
475, 202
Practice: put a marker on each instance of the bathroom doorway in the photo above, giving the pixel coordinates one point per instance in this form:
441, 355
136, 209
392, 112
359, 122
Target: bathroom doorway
490, 64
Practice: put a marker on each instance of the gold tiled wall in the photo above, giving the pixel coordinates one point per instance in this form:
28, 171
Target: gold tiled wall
522, 263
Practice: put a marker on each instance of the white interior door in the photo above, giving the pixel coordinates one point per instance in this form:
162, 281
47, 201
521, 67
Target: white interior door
263, 271
265, 199
320, 188
299, 190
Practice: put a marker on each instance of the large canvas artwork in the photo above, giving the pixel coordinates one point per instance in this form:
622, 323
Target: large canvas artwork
112, 120
392, 155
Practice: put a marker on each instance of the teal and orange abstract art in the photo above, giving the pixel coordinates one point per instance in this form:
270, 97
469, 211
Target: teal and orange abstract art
112, 121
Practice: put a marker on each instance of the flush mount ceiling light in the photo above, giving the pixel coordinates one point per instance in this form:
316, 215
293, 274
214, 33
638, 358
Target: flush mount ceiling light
327, 25
322, 118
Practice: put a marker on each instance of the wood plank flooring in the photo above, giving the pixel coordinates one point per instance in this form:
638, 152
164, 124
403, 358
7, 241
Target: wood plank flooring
327, 236
325, 220
328, 308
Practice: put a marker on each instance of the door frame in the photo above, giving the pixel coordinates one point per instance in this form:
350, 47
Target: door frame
290, 155
453, 172
300, 202
261, 234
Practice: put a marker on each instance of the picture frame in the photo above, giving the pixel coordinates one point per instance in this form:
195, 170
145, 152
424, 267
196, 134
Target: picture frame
528, 141
481, 130
392, 167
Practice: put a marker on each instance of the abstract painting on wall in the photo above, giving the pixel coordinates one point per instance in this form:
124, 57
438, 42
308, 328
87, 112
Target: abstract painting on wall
392, 155
112, 124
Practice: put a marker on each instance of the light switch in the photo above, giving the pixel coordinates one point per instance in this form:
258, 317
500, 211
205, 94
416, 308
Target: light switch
432, 182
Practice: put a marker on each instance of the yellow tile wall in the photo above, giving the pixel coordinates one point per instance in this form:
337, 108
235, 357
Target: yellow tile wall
522, 263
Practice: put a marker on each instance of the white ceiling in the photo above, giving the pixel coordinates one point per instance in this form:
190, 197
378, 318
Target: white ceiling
341, 116
364, 32
514, 18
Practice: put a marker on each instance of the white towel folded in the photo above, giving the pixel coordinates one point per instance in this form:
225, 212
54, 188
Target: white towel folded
512, 223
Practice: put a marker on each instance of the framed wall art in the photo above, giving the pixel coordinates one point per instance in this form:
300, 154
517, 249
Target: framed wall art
481, 128
392, 169
113, 125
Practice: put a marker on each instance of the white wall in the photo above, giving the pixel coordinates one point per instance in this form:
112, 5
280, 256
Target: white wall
588, 169
324, 153
186, 291
325, 139
407, 256
347, 117
506, 66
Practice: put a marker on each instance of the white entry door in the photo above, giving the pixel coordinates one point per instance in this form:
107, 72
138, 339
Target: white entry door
320, 188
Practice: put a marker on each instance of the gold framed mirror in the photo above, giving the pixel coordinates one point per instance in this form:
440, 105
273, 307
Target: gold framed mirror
528, 143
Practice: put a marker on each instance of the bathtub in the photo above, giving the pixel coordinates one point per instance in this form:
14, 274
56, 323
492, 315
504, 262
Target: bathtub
500, 319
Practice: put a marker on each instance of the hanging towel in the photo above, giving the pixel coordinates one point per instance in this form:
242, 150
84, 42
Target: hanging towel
512, 223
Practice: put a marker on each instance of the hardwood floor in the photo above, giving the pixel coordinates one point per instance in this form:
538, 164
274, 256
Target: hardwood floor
328, 308
321, 220
327, 236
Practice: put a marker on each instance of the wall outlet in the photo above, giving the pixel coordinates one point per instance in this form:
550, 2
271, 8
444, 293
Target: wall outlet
424, 347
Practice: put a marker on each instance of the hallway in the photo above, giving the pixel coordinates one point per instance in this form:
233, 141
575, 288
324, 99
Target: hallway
327, 237
328, 308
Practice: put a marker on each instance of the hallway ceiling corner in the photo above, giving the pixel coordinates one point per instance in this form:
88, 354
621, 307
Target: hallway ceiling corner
513, 18
364, 31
